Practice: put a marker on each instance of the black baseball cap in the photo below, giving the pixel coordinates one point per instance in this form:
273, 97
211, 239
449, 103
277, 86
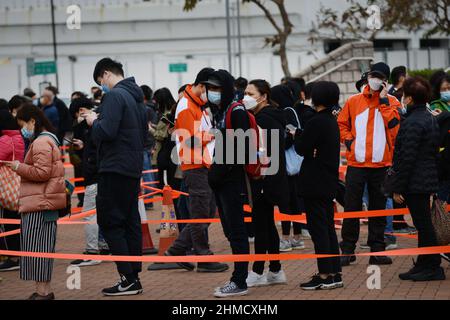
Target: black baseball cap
213, 81
380, 69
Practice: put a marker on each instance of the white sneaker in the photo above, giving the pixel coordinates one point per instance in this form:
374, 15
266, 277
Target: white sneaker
297, 244
256, 280
305, 234
276, 278
285, 246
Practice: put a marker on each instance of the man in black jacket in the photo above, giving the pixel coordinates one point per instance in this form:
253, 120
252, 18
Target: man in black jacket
228, 179
119, 133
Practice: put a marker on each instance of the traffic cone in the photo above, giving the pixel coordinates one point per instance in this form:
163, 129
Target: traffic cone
147, 243
168, 231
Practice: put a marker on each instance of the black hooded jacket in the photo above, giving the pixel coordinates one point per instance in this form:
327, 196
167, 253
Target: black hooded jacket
121, 130
274, 187
220, 174
444, 154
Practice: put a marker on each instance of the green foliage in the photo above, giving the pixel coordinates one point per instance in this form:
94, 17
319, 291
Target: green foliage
425, 73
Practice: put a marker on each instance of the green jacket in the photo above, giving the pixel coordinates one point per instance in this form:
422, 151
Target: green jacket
441, 105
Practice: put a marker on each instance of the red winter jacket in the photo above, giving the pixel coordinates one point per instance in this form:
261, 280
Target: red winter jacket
11, 142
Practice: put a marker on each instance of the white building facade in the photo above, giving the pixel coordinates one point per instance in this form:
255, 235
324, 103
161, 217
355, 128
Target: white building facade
148, 36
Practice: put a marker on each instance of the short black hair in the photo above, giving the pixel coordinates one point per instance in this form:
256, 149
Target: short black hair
308, 90
77, 93
53, 89
241, 83
418, 89
397, 73
28, 92
4, 105
325, 93
437, 84
107, 64
16, 102
78, 103
7, 121
203, 75
148, 92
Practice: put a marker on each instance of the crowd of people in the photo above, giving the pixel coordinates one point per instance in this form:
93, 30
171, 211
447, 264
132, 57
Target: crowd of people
396, 139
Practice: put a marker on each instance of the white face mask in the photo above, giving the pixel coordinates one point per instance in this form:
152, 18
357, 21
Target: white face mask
250, 103
375, 84
204, 97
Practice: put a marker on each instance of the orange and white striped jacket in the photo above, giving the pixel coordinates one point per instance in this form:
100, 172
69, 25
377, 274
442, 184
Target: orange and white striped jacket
369, 127
195, 144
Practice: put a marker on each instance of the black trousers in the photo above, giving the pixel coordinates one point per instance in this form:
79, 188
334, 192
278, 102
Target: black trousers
267, 239
356, 179
118, 218
229, 203
320, 216
419, 207
11, 242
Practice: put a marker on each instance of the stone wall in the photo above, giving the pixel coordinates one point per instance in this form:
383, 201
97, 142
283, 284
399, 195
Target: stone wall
354, 58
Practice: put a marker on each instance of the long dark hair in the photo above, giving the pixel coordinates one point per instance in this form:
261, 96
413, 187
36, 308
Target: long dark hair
30, 111
164, 99
437, 83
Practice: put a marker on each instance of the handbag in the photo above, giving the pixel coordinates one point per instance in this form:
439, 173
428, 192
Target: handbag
441, 221
9, 186
293, 159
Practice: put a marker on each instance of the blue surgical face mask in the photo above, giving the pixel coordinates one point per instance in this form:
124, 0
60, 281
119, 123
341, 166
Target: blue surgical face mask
445, 96
27, 134
105, 88
214, 97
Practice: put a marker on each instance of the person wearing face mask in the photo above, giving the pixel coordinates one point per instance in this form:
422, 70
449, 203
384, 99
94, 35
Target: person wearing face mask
84, 147
441, 93
49, 109
12, 147
416, 174
195, 145
227, 178
119, 132
368, 125
42, 194
271, 189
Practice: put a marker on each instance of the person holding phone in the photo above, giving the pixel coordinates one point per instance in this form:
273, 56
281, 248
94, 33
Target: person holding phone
368, 123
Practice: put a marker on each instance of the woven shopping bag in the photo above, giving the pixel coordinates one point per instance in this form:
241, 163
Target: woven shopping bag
441, 222
9, 186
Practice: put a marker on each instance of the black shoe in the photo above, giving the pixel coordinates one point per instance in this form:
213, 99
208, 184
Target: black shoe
346, 260
338, 280
124, 288
407, 275
212, 267
436, 274
9, 265
36, 296
105, 252
185, 265
380, 260
317, 283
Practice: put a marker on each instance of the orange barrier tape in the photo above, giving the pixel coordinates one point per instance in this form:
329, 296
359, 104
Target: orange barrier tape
223, 258
150, 171
76, 179
9, 233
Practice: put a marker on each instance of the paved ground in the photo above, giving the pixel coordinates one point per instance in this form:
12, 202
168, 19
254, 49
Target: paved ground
182, 285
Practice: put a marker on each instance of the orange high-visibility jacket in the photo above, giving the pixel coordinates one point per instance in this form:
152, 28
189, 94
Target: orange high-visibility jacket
369, 127
191, 122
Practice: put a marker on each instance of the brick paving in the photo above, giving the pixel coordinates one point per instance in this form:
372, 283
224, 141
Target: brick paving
184, 285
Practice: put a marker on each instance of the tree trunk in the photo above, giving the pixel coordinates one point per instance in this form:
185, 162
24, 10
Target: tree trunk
283, 56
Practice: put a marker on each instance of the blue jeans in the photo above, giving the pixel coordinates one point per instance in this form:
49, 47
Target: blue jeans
148, 177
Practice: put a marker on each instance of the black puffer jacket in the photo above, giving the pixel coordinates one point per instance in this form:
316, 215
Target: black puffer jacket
121, 130
416, 152
444, 155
